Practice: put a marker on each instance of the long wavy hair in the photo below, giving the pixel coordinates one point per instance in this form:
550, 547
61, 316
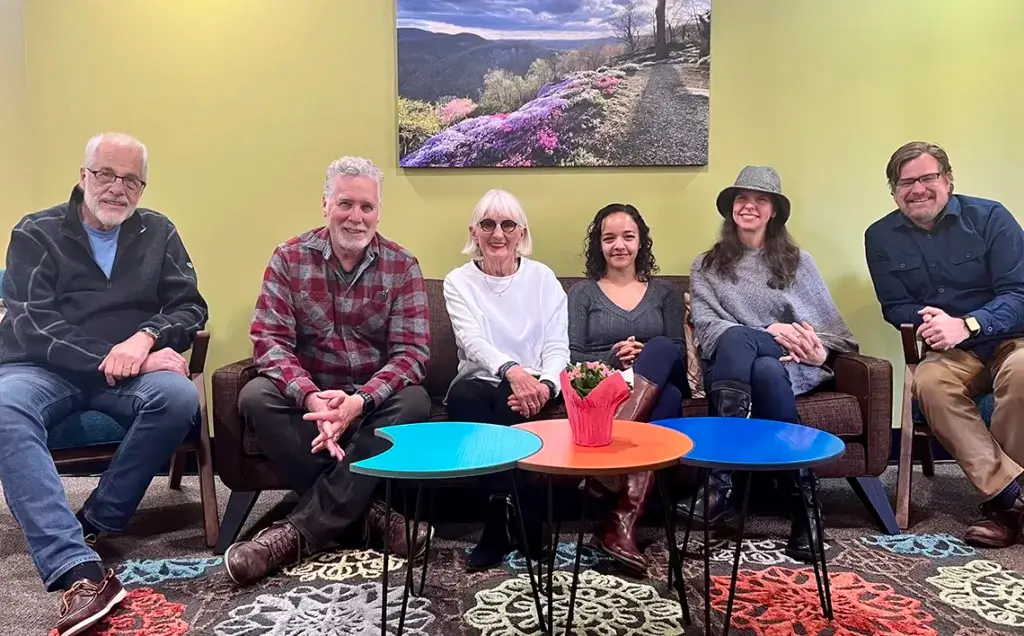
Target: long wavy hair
596, 266
780, 253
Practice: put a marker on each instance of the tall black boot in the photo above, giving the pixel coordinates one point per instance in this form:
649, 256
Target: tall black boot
802, 518
495, 541
729, 398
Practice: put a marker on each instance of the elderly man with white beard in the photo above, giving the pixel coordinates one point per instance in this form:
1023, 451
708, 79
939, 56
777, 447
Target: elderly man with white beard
103, 300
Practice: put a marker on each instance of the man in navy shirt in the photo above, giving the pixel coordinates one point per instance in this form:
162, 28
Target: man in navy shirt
953, 266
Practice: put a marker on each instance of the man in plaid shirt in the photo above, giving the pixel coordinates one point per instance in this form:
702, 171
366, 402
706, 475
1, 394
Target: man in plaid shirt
341, 339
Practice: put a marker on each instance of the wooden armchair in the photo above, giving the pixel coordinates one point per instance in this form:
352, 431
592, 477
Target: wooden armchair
91, 436
916, 437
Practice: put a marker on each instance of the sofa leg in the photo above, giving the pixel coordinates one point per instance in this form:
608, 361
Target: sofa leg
872, 494
239, 506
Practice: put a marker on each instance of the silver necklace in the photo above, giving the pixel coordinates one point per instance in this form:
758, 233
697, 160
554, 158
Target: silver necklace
499, 293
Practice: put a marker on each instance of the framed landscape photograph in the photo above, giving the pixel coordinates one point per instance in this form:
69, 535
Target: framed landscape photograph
544, 83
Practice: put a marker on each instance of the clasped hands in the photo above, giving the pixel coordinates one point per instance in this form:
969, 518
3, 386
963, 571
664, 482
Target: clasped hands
801, 343
333, 411
529, 395
627, 351
133, 357
941, 331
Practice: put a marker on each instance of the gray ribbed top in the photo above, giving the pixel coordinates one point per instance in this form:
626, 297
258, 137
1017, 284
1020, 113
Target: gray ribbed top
596, 323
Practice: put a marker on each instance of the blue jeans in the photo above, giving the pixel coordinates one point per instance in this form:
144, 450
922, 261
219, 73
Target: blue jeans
663, 362
158, 410
751, 357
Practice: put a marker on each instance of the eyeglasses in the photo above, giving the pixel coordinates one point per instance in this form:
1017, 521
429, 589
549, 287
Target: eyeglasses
106, 177
925, 179
507, 226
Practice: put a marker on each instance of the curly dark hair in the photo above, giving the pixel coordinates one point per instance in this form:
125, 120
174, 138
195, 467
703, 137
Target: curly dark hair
781, 253
596, 267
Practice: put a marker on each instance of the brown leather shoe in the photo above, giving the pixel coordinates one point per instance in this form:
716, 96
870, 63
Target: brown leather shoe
996, 528
272, 549
617, 536
86, 602
376, 528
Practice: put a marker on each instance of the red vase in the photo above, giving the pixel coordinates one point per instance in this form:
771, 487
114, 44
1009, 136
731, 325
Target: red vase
591, 417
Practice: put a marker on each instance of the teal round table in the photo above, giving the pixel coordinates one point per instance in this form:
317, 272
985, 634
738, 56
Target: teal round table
750, 444
444, 450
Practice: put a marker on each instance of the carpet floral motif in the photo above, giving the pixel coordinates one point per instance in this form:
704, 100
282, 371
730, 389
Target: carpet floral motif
153, 571
342, 565
338, 609
781, 601
144, 612
605, 606
761, 552
983, 587
565, 557
932, 546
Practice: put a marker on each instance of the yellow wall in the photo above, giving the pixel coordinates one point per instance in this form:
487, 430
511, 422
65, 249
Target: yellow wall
15, 184
244, 102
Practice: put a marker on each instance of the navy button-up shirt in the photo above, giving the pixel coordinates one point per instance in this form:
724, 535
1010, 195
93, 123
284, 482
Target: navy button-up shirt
970, 263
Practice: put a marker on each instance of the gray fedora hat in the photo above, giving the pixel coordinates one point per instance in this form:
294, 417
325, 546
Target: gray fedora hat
759, 179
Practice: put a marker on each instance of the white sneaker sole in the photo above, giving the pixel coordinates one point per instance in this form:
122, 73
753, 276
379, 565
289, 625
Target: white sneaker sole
95, 618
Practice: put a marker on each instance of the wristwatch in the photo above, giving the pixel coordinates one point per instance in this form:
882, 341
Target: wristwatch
972, 325
151, 331
368, 402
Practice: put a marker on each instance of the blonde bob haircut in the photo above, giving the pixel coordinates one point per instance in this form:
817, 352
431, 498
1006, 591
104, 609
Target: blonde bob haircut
498, 205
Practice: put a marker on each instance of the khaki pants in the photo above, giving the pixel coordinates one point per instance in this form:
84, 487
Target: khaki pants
944, 385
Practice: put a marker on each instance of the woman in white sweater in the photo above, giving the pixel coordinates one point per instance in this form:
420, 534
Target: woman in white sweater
510, 319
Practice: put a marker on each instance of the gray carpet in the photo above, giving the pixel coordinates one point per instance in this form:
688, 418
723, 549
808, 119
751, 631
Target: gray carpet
928, 583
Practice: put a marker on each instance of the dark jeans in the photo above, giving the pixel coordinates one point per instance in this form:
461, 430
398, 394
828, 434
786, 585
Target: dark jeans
663, 362
158, 410
332, 498
752, 357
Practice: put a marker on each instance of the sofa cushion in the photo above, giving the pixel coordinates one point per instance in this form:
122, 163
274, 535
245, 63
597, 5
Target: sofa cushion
836, 413
85, 429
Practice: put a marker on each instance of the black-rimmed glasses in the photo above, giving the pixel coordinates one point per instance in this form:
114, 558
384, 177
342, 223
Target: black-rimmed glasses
507, 226
106, 177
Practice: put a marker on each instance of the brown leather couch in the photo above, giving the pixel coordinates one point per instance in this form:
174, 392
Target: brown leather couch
856, 406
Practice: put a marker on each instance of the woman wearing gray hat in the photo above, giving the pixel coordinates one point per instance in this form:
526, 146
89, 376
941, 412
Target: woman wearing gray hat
765, 323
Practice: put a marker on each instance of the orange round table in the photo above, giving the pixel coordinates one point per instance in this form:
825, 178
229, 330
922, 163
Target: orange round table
636, 447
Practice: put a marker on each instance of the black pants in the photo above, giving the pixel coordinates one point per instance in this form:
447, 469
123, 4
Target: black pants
332, 498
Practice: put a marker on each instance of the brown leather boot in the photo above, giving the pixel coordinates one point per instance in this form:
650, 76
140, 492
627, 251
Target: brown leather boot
641, 401
617, 536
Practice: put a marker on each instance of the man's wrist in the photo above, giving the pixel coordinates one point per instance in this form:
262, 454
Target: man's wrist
151, 332
971, 326
368, 402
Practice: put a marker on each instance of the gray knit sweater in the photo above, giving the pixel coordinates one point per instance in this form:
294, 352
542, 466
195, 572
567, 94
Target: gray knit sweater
717, 303
596, 323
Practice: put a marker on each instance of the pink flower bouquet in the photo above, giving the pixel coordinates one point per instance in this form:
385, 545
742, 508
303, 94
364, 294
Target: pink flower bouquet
592, 393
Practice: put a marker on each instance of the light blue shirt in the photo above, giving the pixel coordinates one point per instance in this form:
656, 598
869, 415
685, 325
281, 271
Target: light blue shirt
104, 247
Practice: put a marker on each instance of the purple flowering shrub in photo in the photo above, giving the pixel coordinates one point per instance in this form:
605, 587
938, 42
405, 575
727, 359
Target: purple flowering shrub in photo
540, 133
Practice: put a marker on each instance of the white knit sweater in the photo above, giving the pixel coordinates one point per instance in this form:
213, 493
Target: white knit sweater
522, 317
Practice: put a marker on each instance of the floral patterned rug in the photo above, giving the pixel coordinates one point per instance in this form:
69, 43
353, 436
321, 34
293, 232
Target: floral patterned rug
924, 583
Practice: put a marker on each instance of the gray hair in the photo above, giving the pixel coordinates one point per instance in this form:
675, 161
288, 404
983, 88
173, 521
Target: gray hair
124, 139
353, 167
502, 205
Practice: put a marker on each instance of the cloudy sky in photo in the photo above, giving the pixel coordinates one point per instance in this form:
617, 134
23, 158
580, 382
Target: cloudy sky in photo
528, 19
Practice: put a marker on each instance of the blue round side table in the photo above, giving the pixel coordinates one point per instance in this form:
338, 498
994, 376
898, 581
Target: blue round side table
751, 445
444, 450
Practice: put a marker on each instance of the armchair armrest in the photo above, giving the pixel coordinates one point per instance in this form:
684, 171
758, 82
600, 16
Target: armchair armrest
870, 381
197, 360
227, 423
911, 345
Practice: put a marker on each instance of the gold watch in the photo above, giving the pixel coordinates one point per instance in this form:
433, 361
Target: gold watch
973, 325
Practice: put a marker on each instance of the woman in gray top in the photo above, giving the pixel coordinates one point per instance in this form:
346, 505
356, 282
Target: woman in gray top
623, 316
765, 324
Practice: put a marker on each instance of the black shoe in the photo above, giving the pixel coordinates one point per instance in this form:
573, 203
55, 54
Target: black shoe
495, 541
719, 500
798, 547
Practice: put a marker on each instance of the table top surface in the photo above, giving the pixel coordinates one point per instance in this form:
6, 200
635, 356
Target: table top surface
753, 444
448, 450
635, 447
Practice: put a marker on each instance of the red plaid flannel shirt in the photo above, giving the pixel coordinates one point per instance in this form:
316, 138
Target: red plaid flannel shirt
313, 332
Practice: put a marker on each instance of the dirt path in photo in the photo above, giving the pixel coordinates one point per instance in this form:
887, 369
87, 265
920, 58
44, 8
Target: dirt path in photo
661, 118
